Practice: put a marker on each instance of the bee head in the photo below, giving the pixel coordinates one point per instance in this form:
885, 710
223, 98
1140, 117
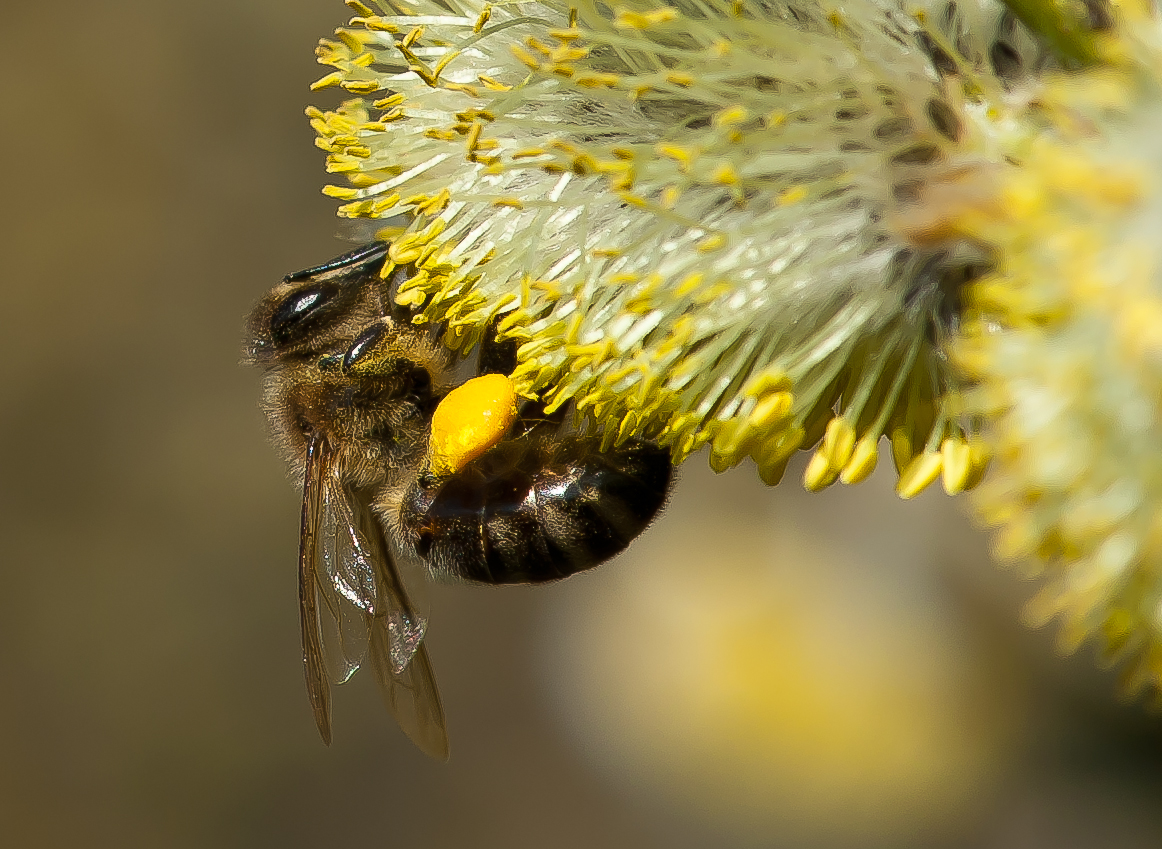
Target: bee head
315, 310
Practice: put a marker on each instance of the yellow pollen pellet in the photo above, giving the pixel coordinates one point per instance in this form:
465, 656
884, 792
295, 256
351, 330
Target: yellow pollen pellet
472, 418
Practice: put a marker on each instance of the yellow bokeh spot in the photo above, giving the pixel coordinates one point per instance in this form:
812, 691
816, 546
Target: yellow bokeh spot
470, 420
769, 688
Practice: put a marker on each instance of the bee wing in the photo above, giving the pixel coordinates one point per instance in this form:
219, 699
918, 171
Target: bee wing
411, 695
346, 582
363, 575
318, 687
394, 630
344, 631
346, 570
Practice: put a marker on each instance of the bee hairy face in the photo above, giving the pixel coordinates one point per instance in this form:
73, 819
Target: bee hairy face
351, 389
345, 366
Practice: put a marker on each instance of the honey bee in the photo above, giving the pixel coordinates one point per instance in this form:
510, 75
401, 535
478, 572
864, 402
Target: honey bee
414, 460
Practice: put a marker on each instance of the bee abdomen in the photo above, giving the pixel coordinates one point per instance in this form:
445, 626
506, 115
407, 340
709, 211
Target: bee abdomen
519, 527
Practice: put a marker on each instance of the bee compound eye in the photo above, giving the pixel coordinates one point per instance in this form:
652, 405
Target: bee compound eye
364, 345
301, 312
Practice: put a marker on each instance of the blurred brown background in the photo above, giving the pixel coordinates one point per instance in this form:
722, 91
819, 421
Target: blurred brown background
765, 668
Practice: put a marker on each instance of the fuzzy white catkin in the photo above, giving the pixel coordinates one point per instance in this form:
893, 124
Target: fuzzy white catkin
692, 215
